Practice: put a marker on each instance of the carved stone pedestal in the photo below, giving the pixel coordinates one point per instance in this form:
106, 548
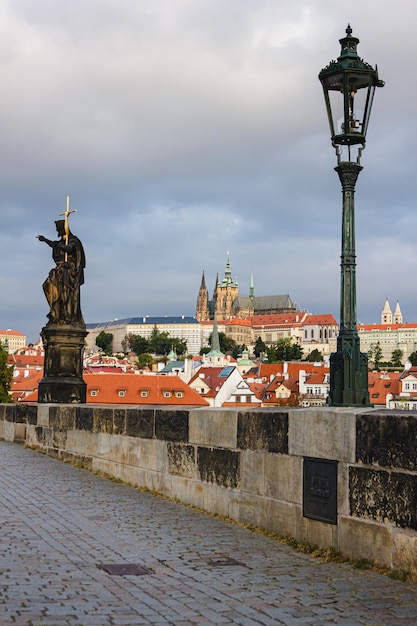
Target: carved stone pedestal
63, 382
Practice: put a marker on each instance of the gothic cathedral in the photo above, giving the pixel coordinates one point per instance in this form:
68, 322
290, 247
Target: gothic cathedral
227, 303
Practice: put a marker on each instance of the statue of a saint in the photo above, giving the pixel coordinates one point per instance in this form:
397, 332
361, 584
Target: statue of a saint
62, 287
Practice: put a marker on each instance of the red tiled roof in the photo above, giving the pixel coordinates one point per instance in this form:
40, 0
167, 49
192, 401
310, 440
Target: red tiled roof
127, 389
321, 319
386, 326
274, 319
380, 385
237, 321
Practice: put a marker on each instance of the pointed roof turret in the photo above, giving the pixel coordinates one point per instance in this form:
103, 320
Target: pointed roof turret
227, 280
386, 315
203, 282
215, 341
252, 287
398, 316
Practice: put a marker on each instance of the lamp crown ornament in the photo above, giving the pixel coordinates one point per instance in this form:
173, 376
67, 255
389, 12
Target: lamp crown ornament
349, 84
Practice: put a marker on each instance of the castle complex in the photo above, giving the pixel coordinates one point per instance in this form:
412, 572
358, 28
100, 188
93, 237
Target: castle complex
227, 303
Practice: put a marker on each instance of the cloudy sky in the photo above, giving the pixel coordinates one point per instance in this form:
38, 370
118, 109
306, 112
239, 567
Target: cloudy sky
183, 129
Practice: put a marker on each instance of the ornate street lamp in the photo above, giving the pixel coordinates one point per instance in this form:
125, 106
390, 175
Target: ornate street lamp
349, 86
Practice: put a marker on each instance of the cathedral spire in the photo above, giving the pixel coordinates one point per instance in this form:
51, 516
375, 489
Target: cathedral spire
252, 287
227, 280
202, 311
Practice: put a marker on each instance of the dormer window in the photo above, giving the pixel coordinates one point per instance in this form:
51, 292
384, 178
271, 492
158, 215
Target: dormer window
122, 393
144, 393
94, 392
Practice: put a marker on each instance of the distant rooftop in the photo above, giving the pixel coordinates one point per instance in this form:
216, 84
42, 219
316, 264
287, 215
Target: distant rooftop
135, 321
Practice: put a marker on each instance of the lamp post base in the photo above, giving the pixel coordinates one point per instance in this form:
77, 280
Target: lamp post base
348, 373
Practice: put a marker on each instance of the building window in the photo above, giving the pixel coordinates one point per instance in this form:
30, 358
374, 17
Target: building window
179, 394
144, 394
94, 392
166, 394
122, 393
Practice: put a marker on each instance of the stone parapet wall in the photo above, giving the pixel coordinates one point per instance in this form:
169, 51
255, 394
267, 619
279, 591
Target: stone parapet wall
345, 478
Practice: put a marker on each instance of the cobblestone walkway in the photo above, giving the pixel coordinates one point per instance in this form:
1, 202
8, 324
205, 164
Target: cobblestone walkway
59, 524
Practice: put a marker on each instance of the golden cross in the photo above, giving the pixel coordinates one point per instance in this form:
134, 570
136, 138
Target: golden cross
67, 213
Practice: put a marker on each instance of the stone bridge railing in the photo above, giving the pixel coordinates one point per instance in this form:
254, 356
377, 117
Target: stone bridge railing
345, 478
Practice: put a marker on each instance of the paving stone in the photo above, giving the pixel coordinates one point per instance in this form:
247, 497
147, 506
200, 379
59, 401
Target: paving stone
58, 523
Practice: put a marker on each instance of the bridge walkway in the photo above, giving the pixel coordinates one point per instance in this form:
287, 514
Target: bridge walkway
79, 549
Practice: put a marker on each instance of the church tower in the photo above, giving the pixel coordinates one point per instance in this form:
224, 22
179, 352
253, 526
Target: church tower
386, 315
202, 311
226, 293
398, 316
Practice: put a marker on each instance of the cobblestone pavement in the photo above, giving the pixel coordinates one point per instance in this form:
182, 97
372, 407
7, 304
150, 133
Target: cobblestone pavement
60, 523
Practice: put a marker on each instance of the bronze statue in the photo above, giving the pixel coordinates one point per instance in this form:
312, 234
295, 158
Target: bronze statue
62, 286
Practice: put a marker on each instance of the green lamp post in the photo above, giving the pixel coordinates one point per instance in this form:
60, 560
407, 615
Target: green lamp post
349, 86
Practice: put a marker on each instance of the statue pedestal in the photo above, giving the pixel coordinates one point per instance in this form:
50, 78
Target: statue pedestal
63, 382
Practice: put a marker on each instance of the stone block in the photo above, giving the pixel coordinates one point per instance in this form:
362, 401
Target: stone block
219, 466
244, 508
364, 539
404, 551
277, 517
387, 439
9, 412
26, 413
283, 478
383, 496
103, 420
9, 431
84, 419
320, 533
43, 414
217, 499
188, 491
326, 433
148, 454
140, 423
213, 428
119, 421
20, 432
265, 430
343, 489
182, 459
252, 472
171, 425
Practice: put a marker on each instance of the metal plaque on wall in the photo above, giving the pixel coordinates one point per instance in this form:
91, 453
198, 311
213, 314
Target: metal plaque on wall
320, 490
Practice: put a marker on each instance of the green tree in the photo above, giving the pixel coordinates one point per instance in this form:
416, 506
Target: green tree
413, 358
285, 350
159, 343
271, 353
396, 358
104, 341
259, 347
377, 355
315, 356
179, 345
6, 375
144, 360
137, 343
